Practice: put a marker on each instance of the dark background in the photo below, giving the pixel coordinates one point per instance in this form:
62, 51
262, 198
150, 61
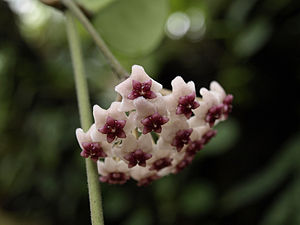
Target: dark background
249, 174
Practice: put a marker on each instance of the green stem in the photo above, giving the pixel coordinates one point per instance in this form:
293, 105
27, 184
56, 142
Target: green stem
113, 62
85, 118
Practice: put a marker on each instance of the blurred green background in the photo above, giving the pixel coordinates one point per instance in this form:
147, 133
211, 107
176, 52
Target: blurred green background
249, 174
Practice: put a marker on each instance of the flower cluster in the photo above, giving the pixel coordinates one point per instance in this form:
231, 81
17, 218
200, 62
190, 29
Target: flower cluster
149, 135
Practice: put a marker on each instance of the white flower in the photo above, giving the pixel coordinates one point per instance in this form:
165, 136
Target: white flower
139, 84
212, 107
182, 100
150, 115
92, 148
111, 123
113, 171
136, 152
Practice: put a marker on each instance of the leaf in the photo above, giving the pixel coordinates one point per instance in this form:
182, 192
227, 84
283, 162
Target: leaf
266, 180
133, 27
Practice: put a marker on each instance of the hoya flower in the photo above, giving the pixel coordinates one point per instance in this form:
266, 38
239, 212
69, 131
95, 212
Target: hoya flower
177, 133
139, 84
136, 152
143, 175
150, 116
215, 106
200, 137
94, 149
161, 157
111, 123
148, 135
182, 100
113, 171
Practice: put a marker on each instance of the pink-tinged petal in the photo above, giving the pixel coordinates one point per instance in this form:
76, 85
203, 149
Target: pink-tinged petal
121, 134
136, 84
110, 138
121, 123
146, 121
164, 120
147, 85
151, 95
148, 180
161, 163
110, 121
195, 105
157, 129
103, 130
146, 130
84, 154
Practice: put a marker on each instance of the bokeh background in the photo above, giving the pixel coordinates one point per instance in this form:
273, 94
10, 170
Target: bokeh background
249, 174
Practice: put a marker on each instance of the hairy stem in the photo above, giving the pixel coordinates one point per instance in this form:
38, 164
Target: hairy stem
113, 62
85, 118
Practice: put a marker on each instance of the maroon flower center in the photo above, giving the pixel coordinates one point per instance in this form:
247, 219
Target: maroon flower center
208, 136
93, 150
194, 147
113, 128
184, 162
186, 104
114, 178
182, 137
137, 157
154, 123
227, 105
197, 145
214, 113
161, 163
148, 180
141, 89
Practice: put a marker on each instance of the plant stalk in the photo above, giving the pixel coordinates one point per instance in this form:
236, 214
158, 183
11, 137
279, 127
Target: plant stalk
85, 118
113, 62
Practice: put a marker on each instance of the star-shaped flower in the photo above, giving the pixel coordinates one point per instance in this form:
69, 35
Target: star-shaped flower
139, 84
111, 124
94, 149
141, 89
112, 171
161, 163
213, 108
186, 104
113, 128
135, 151
137, 157
213, 114
182, 100
143, 175
182, 137
154, 123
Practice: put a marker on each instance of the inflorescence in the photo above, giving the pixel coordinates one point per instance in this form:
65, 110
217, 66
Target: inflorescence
121, 139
